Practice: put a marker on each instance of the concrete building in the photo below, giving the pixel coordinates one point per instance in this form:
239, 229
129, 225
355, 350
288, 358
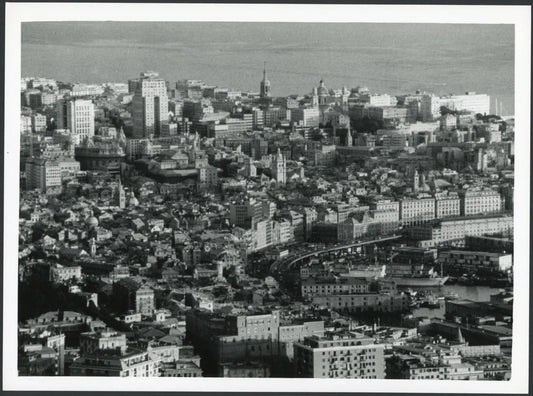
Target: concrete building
60, 273
480, 201
76, 115
91, 342
363, 302
472, 262
116, 363
149, 105
323, 155
307, 117
245, 212
208, 176
43, 175
454, 230
134, 296
336, 357
311, 287
38, 123
417, 211
447, 206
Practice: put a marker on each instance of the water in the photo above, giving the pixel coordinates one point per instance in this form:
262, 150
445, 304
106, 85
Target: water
388, 58
474, 293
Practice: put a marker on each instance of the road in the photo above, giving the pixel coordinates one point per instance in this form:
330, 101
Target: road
289, 261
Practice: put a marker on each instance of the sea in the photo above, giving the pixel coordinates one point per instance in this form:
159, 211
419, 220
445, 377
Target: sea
474, 293
386, 58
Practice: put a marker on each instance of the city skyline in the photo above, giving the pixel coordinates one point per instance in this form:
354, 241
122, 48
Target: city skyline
249, 45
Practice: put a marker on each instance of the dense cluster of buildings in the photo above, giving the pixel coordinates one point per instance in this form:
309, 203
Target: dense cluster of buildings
157, 211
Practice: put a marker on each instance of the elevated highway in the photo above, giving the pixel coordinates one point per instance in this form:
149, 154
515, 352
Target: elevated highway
287, 262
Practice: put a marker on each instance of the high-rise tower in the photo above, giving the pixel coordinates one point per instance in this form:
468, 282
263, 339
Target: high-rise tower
265, 85
150, 105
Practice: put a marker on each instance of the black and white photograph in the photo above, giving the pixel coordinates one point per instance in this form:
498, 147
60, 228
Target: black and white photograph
255, 196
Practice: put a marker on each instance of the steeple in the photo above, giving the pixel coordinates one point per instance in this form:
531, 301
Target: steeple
265, 71
265, 84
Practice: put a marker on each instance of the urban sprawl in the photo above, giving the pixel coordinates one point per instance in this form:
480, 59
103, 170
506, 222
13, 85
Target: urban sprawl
187, 230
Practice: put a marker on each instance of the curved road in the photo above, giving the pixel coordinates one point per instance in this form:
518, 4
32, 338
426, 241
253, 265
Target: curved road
289, 261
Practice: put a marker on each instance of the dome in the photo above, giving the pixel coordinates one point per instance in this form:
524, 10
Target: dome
92, 221
322, 90
134, 201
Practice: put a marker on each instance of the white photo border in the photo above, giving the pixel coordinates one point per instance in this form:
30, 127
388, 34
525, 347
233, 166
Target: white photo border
16, 13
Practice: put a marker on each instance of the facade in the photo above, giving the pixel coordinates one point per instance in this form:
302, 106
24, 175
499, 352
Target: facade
363, 302
448, 206
38, 123
43, 175
100, 156
150, 105
116, 363
307, 117
60, 273
91, 342
454, 230
471, 262
76, 115
208, 176
474, 202
336, 357
311, 287
416, 211
134, 296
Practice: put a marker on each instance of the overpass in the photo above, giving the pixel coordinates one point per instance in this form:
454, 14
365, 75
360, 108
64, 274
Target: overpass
288, 262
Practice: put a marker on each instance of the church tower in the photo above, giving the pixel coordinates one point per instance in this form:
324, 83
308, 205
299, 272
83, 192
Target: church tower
279, 168
416, 181
120, 195
265, 85
314, 96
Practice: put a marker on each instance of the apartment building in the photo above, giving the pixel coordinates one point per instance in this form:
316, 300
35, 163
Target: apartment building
416, 211
480, 201
471, 262
454, 230
336, 357
311, 287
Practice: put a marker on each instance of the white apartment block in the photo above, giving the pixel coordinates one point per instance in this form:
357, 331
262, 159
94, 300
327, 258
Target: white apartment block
456, 229
307, 117
416, 211
76, 115
42, 174
485, 201
448, 206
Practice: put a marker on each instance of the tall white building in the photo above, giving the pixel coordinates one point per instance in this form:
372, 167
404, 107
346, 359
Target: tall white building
76, 115
43, 174
307, 117
470, 101
279, 168
150, 105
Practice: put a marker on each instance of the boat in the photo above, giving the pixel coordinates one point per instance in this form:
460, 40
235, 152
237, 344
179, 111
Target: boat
375, 271
418, 281
423, 278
